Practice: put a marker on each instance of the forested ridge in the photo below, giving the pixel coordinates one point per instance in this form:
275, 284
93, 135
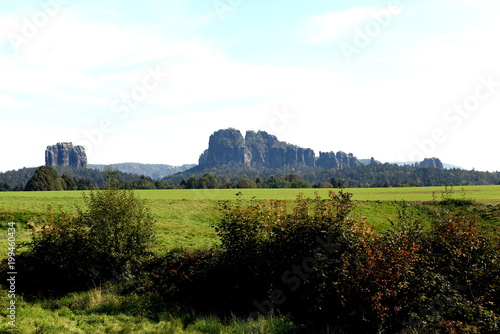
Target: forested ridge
379, 175
244, 176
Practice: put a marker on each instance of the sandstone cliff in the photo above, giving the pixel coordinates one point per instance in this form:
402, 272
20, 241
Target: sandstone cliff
261, 149
431, 162
65, 154
224, 147
339, 160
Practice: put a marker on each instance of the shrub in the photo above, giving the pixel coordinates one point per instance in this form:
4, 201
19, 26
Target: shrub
310, 259
305, 259
120, 231
108, 241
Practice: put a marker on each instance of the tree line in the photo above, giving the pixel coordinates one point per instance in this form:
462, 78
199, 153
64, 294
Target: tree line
298, 176
241, 176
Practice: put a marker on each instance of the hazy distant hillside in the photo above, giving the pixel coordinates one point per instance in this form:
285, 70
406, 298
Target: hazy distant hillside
154, 171
445, 165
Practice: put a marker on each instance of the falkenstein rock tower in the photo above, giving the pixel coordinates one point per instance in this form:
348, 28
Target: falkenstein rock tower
65, 154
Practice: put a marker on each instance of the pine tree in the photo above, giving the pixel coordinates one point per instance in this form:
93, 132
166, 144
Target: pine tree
45, 178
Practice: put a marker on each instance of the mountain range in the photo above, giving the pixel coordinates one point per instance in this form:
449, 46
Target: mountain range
154, 171
257, 159
257, 149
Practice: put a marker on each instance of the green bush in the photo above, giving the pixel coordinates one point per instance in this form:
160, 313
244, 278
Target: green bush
310, 259
120, 231
107, 241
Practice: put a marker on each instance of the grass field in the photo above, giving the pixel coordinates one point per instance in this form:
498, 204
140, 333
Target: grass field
39, 200
185, 216
184, 219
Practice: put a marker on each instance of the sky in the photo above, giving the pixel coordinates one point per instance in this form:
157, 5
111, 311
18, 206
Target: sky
150, 81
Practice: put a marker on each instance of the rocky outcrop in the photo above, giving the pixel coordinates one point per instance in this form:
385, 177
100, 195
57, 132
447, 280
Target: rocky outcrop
327, 160
65, 154
262, 149
431, 162
265, 150
257, 149
339, 160
224, 147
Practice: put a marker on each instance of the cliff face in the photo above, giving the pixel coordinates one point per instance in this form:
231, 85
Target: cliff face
431, 162
339, 160
265, 150
262, 149
257, 148
65, 154
224, 147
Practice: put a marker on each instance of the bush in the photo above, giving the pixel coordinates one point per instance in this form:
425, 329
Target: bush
311, 254
108, 241
120, 231
311, 260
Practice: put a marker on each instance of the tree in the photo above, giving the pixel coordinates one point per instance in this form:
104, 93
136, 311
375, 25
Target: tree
209, 181
45, 178
192, 182
275, 182
300, 184
247, 183
291, 178
70, 182
120, 229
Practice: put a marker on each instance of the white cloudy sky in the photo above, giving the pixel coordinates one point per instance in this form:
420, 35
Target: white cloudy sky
396, 80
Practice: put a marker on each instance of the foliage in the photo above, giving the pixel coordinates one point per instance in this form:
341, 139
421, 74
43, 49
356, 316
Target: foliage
69, 182
383, 175
312, 260
85, 179
247, 183
293, 176
45, 178
107, 241
120, 229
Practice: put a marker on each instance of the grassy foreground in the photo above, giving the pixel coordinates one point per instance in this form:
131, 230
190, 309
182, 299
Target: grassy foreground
16, 201
184, 218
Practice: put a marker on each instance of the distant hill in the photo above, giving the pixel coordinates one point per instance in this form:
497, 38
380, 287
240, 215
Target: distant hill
445, 165
260, 156
154, 171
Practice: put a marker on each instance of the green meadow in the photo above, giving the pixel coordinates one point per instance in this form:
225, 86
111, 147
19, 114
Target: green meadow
184, 216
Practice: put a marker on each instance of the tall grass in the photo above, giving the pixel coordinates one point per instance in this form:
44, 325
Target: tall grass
98, 311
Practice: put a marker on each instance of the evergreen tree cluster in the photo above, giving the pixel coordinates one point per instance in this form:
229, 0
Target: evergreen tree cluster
64, 178
299, 176
244, 176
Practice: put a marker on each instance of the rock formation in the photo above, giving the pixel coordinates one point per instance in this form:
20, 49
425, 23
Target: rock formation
224, 147
265, 150
339, 160
431, 162
65, 154
262, 149
257, 148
